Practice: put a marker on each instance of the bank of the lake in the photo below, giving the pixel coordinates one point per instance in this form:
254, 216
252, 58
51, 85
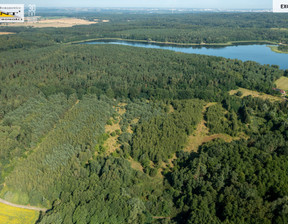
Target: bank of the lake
229, 43
245, 51
275, 49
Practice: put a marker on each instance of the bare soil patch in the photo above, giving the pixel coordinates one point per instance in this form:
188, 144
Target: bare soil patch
63, 22
6, 33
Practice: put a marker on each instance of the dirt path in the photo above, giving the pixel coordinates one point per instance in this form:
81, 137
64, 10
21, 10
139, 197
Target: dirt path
23, 206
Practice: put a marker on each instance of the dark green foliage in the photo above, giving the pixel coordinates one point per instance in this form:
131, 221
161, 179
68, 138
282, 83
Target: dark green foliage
109, 122
239, 93
216, 120
178, 28
221, 121
56, 99
161, 136
113, 191
238, 182
60, 154
154, 74
24, 127
232, 183
283, 48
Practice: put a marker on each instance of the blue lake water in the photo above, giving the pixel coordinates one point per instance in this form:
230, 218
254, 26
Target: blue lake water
256, 52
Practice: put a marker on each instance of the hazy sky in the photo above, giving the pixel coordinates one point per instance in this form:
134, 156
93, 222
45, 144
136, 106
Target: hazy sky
222, 4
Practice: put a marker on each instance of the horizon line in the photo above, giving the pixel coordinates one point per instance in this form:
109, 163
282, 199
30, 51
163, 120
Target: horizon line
170, 8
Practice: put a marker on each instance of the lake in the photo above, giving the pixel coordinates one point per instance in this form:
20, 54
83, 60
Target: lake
260, 53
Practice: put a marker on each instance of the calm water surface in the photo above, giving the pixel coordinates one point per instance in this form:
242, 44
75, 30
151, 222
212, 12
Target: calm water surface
259, 53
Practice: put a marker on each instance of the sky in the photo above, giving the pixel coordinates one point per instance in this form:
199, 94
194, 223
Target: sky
219, 4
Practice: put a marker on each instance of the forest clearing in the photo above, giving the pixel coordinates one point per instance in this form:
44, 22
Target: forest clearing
247, 92
282, 83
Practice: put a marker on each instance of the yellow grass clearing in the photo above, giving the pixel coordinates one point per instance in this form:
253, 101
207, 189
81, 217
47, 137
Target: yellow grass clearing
201, 135
282, 29
129, 130
196, 140
12, 215
122, 110
171, 109
135, 121
135, 165
111, 128
6, 33
63, 22
282, 83
111, 143
247, 92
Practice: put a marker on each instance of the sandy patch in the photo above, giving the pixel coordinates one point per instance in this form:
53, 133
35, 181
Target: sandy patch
63, 22
6, 33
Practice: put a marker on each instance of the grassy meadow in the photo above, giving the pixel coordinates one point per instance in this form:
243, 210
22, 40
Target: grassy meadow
282, 83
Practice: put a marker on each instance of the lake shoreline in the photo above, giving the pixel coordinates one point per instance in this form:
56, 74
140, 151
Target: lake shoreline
229, 43
259, 52
275, 49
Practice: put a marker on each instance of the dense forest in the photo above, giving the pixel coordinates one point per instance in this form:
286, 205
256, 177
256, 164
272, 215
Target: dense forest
110, 134
283, 48
189, 28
